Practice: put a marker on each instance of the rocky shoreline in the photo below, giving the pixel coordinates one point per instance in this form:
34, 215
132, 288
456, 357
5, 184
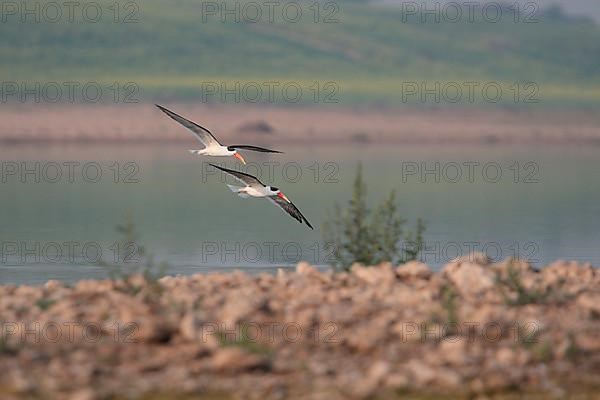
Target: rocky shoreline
475, 328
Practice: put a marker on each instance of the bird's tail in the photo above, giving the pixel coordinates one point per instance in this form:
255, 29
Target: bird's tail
236, 189
194, 151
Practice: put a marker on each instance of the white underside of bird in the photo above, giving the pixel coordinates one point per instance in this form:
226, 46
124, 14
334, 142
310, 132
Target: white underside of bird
252, 191
218, 151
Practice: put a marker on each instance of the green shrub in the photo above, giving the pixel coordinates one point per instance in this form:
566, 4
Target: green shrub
514, 291
133, 257
361, 235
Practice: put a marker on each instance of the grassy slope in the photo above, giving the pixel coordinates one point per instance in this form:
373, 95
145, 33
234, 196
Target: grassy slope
368, 53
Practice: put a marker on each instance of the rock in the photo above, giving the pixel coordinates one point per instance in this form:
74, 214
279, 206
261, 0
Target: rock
383, 273
137, 280
589, 303
52, 285
21, 381
281, 274
90, 286
189, 327
448, 378
475, 258
234, 359
239, 307
422, 373
375, 377
496, 380
83, 394
28, 292
506, 356
414, 270
408, 331
520, 266
471, 279
397, 381
454, 350
365, 337
378, 371
588, 341
304, 268
568, 271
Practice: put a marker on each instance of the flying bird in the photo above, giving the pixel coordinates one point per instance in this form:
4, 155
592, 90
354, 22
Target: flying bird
255, 188
212, 147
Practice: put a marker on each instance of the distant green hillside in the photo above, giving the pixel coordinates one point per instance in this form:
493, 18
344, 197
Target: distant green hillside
175, 47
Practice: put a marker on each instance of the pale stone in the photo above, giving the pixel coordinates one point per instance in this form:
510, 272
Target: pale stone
453, 350
383, 273
470, 278
234, 359
422, 373
414, 269
304, 268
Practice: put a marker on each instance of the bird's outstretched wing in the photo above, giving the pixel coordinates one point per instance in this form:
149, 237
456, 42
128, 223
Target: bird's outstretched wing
252, 148
241, 176
201, 133
289, 208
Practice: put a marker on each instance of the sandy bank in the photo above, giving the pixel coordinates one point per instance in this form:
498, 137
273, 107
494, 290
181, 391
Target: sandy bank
472, 328
142, 122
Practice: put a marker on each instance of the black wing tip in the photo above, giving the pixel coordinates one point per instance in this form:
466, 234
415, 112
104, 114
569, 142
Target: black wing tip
233, 172
253, 148
302, 218
218, 167
307, 223
165, 110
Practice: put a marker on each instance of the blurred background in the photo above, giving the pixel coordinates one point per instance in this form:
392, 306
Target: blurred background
483, 116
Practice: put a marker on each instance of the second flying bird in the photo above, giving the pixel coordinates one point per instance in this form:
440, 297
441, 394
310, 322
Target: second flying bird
255, 188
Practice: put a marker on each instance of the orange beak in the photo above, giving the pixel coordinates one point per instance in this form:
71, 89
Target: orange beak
239, 157
281, 195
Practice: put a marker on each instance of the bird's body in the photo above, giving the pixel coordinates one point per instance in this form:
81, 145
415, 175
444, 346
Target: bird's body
251, 191
212, 147
214, 151
255, 188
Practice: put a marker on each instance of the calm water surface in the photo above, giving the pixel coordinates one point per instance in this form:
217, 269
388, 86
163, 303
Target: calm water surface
535, 202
